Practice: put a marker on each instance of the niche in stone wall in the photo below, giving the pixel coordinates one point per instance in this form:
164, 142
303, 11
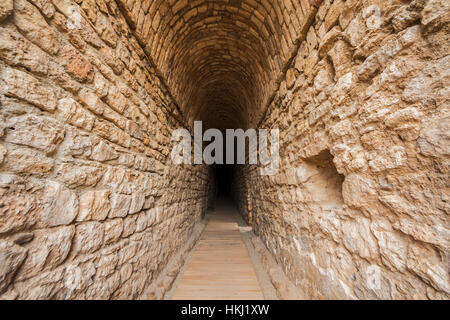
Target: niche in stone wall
324, 184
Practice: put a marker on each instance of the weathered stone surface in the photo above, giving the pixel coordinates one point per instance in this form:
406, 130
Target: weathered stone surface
3, 152
101, 85
11, 258
404, 19
393, 247
91, 91
113, 230
92, 101
434, 138
358, 239
72, 112
43, 133
45, 6
60, 205
429, 269
6, 8
129, 226
106, 31
435, 14
88, 237
21, 85
47, 250
24, 160
19, 199
290, 78
75, 175
107, 265
120, 205
17, 51
116, 99
94, 205
76, 64
29, 20
103, 152
23, 238
137, 202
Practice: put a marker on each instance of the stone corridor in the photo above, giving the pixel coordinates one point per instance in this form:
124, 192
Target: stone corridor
92, 206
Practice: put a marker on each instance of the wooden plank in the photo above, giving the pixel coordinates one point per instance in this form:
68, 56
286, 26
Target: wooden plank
220, 268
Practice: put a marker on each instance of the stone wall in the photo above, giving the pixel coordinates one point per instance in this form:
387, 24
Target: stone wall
90, 91
90, 204
359, 208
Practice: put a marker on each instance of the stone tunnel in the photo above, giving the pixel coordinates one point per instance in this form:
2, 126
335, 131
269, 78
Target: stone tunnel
93, 207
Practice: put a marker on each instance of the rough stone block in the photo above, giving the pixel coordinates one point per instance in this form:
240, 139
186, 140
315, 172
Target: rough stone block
18, 51
48, 249
43, 133
21, 85
94, 205
120, 205
11, 258
88, 237
30, 21
28, 161
60, 205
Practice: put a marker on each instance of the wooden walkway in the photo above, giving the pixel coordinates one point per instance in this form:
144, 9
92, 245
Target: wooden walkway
220, 268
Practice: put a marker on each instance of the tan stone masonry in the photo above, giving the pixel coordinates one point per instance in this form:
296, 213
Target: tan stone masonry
92, 207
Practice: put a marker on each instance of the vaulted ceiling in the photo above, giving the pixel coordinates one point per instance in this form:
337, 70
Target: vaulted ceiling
221, 58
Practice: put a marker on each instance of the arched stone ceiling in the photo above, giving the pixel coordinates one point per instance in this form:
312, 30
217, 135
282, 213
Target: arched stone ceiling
220, 58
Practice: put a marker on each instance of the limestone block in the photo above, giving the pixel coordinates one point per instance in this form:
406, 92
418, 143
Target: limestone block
116, 99
137, 202
46, 7
357, 190
120, 205
6, 8
19, 200
21, 85
129, 226
11, 258
434, 138
113, 230
72, 112
435, 14
107, 265
88, 237
92, 101
327, 42
24, 160
18, 51
103, 152
60, 205
405, 18
76, 175
105, 30
48, 249
3, 152
76, 65
43, 133
94, 205
30, 21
